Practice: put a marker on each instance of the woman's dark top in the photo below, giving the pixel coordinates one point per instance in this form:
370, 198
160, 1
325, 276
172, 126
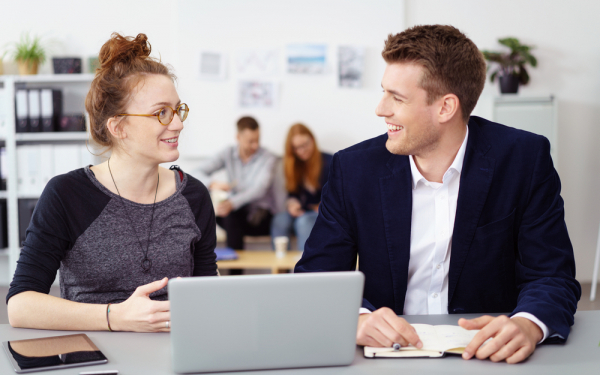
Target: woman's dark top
83, 229
307, 199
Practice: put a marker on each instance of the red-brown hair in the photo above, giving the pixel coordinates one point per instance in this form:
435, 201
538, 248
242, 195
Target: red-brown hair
123, 63
452, 63
297, 171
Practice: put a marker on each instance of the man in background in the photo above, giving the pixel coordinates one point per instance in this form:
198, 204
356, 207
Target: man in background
448, 213
244, 204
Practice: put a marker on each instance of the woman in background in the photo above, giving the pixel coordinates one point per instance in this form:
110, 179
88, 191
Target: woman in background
120, 229
306, 170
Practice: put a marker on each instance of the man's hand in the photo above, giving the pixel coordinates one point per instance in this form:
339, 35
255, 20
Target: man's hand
383, 327
224, 208
513, 339
218, 185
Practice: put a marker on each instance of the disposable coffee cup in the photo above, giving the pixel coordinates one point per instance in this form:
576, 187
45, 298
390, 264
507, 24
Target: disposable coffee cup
281, 245
218, 196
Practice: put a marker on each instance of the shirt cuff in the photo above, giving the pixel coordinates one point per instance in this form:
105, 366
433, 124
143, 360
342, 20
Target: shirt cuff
363, 310
546, 332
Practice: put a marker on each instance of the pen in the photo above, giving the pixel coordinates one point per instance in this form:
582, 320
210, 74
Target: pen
396, 346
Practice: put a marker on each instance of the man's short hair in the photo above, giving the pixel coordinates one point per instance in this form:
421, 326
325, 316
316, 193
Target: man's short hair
452, 63
247, 122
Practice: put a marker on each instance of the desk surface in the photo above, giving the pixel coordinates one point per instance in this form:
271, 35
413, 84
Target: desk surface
251, 259
150, 353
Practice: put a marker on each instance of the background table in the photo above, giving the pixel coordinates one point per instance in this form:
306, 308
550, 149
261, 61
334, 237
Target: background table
150, 353
252, 259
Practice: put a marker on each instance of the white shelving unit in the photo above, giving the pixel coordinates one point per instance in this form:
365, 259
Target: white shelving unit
535, 114
75, 87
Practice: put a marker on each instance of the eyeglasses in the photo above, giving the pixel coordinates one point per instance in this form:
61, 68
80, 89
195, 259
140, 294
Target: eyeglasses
165, 115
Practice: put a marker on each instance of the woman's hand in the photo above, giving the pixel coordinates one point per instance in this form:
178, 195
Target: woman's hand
141, 314
294, 208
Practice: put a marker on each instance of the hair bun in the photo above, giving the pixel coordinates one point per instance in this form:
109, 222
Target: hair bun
124, 50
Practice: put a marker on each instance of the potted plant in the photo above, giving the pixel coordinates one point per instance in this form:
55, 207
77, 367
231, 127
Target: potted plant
29, 54
511, 65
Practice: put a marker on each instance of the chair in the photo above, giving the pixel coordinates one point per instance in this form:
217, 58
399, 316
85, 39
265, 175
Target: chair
596, 266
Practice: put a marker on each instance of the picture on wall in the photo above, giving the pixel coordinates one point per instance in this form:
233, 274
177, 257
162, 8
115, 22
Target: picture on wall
213, 65
306, 58
257, 94
258, 63
351, 65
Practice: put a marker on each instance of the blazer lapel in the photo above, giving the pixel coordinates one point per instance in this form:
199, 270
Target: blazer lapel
396, 197
475, 181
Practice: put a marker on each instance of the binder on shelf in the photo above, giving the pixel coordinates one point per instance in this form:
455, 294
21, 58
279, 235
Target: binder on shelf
66, 158
3, 224
35, 121
86, 157
2, 113
21, 111
28, 169
51, 109
3, 168
46, 165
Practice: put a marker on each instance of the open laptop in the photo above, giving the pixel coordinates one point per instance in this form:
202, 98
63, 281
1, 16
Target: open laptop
264, 321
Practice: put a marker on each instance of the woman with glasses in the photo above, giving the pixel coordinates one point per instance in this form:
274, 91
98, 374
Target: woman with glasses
117, 231
306, 170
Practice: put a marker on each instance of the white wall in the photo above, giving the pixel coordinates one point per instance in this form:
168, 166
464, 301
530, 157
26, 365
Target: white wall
340, 117
564, 32
566, 36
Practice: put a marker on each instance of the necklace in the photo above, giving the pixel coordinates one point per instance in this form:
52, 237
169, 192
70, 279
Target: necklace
146, 263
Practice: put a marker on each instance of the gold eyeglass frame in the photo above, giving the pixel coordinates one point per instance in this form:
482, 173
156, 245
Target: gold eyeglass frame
176, 110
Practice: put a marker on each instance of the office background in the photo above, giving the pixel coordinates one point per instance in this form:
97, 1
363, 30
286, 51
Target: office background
564, 33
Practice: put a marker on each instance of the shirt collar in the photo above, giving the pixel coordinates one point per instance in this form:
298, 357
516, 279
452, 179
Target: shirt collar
236, 153
455, 166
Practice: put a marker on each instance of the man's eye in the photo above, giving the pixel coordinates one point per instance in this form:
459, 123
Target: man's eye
397, 99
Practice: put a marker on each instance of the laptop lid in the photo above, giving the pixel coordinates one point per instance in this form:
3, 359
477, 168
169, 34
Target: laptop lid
264, 321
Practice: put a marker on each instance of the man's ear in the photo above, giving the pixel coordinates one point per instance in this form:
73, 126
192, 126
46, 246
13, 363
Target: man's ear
114, 126
449, 108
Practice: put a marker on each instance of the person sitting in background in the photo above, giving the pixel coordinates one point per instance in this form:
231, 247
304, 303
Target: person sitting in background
123, 223
249, 206
306, 170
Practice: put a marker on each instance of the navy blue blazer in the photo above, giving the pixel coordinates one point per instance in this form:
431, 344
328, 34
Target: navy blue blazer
510, 246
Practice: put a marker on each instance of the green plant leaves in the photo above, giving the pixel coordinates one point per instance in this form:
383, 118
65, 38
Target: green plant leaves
29, 49
512, 62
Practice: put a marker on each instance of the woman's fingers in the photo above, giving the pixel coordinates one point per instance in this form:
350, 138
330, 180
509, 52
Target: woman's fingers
146, 290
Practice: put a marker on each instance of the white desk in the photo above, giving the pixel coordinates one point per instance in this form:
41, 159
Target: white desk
150, 353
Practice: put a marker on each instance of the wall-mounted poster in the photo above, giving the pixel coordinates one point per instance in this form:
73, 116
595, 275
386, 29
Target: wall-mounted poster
306, 58
213, 65
351, 66
257, 94
258, 63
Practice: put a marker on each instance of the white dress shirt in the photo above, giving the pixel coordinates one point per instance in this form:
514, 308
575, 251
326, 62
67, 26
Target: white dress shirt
432, 225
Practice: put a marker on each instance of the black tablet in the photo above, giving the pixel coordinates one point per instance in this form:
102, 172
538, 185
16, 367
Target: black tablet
52, 353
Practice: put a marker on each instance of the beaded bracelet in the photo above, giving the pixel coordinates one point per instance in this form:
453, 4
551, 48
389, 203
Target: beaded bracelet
108, 321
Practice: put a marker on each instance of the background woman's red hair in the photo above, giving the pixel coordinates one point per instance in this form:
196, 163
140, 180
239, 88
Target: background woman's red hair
297, 171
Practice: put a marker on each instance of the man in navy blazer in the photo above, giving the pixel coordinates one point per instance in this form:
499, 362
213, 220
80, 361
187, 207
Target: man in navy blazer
448, 213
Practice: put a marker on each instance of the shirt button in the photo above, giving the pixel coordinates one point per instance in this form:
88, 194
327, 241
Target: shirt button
438, 266
435, 295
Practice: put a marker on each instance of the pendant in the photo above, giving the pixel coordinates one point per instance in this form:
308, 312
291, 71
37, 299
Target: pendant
146, 264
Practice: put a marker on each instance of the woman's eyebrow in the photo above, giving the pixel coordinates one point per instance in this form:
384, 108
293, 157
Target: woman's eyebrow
166, 103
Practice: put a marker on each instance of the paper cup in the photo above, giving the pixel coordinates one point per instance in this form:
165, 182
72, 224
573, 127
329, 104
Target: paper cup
281, 245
